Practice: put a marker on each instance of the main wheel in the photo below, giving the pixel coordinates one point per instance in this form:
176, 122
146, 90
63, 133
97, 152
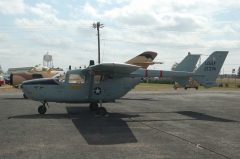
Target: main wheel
93, 106
42, 109
101, 111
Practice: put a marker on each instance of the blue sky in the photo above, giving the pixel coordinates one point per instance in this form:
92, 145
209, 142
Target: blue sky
30, 28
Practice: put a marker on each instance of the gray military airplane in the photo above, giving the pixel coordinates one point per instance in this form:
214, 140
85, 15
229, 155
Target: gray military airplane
106, 82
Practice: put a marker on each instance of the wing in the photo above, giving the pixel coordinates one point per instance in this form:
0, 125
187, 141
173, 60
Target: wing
113, 68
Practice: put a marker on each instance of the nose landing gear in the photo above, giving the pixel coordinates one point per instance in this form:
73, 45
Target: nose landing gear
42, 109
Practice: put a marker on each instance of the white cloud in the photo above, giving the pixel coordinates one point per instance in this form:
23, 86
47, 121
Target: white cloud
89, 10
171, 28
4, 37
12, 6
56, 41
43, 10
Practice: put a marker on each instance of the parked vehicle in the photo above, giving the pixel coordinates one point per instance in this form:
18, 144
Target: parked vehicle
1, 81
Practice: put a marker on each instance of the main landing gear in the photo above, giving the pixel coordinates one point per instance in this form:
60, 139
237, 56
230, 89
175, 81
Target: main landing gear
42, 109
99, 110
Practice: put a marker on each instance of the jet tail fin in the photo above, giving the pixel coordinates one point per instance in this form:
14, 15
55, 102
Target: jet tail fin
143, 60
188, 64
208, 72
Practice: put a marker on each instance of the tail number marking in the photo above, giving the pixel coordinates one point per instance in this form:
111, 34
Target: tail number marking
210, 66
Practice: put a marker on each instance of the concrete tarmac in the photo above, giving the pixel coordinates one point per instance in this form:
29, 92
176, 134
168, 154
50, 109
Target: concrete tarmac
169, 124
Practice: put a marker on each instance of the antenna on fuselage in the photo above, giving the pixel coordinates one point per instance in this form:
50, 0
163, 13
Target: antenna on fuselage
91, 63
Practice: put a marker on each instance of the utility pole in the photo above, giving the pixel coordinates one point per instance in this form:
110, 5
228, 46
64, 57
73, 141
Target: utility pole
98, 25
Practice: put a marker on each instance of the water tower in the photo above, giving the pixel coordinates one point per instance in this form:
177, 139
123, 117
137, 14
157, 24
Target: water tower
48, 60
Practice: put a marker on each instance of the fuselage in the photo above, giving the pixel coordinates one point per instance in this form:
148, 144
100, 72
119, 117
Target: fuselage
79, 88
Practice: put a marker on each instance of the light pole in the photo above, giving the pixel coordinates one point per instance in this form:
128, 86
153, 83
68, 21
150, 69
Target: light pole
98, 25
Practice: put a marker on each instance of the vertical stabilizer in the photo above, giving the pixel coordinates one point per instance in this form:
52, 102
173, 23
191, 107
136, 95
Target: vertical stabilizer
207, 73
143, 60
188, 64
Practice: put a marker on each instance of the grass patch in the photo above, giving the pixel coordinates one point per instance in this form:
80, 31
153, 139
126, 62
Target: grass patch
152, 87
159, 87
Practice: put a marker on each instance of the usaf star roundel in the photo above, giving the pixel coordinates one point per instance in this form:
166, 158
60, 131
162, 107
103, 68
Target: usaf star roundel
97, 90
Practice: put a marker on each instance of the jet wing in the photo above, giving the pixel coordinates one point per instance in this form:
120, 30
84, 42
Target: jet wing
113, 68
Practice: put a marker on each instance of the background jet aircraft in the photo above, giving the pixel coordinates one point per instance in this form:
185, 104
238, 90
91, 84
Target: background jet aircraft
16, 78
109, 81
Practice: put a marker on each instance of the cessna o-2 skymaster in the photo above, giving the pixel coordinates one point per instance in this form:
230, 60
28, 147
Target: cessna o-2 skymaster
106, 82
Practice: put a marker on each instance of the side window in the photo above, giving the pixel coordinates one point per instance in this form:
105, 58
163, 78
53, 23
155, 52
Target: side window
35, 76
75, 78
98, 79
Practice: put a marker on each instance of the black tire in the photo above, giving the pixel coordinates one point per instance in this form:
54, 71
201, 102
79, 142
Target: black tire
196, 88
185, 88
101, 111
42, 109
93, 106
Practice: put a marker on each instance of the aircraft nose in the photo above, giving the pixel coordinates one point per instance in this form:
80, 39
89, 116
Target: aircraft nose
22, 86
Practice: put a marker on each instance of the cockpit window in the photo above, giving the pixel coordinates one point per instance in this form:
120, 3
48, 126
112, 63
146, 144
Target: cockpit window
76, 78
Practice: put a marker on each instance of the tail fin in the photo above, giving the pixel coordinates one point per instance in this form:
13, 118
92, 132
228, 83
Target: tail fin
143, 60
207, 73
188, 64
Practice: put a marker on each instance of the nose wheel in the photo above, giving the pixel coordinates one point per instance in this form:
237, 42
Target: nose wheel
42, 109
